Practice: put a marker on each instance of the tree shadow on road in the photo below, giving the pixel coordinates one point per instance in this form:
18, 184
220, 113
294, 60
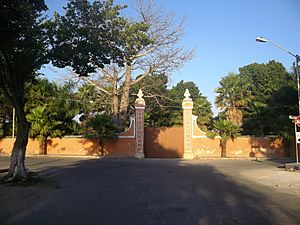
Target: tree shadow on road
144, 192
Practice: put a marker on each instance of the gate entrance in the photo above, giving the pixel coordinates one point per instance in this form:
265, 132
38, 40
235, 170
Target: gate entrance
164, 142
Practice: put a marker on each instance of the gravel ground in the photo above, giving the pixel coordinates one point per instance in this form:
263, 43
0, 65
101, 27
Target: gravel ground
277, 178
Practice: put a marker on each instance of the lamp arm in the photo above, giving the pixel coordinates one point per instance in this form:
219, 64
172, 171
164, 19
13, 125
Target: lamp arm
284, 49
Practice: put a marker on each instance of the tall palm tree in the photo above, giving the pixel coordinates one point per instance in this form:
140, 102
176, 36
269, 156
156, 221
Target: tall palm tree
232, 95
227, 130
43, 126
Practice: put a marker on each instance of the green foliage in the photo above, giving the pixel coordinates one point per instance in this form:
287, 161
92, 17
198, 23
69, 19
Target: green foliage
264, 79
233, 94
260, 98
23, 47
134, 38
163, 106
227, 130
100, 126
43, 123
156, 114
211, 134
92, 35
90, 100
202, 107
274, 97
56, 97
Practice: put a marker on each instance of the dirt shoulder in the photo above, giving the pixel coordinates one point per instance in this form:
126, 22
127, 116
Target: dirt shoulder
275, 176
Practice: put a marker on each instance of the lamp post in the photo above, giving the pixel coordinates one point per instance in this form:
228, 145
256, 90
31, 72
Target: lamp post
296, 66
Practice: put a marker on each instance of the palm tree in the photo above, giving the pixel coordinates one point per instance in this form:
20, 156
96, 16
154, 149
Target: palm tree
232, 95
43, 125
227, 130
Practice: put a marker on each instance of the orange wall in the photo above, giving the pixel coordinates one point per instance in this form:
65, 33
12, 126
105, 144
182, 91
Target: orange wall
205, 147
122, 147
244, 146
159, 143
164, 142
7, 143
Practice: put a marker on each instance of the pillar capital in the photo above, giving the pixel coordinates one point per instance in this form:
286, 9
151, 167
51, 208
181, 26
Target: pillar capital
187, 102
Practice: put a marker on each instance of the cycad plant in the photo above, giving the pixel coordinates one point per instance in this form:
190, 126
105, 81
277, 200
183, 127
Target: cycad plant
43, 125
227, 130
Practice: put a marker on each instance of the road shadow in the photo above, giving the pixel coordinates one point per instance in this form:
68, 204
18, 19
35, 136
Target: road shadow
144, 192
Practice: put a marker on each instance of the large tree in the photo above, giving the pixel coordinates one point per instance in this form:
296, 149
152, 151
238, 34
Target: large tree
92, 35
151, 44
273, 91
23, 50
233, 95
87, 36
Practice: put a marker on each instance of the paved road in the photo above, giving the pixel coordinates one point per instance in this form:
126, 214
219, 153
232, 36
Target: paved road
147, 192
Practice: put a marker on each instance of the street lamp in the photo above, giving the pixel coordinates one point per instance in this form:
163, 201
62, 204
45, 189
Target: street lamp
296, 65
297, 59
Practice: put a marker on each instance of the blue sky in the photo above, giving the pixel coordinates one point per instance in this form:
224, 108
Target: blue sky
224, 32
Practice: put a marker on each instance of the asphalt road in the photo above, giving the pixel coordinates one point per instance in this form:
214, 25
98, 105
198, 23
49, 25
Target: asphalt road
149, 192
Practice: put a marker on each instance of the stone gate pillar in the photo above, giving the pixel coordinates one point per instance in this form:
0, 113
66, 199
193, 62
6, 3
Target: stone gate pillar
139, 117
187, 105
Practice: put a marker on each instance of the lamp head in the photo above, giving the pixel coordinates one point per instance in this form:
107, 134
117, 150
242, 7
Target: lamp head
261, 39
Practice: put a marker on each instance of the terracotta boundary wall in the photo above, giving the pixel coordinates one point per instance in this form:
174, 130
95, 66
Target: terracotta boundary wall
168, 143
198, 145
123, 146
241, 147
161, 146
244, 146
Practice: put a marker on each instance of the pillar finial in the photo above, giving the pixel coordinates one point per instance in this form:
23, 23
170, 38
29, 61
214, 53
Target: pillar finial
140, 94
187, 94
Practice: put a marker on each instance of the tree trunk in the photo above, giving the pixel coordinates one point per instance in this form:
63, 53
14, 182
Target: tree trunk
101, 145
223, 148
115, 102
43, 146
236, 116
17, 169
124, 99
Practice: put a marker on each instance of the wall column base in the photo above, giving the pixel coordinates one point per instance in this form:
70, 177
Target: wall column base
188, 155
139, 155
